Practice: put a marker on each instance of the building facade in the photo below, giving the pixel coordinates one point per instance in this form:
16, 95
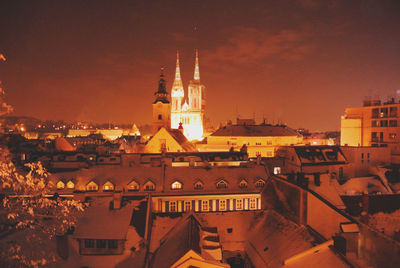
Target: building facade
374, 124
189, 112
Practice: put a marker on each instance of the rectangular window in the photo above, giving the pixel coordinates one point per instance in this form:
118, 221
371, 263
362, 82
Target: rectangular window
204, 205
375, 123
222, 204
188, 205
384, 112
375, 113
172, 206
89, 243
393, 111
277, 170
112, 243
374, 136
252, 203
269, 154
392, 136
258, 143
384, 123
239, 204
393, 123
101, 243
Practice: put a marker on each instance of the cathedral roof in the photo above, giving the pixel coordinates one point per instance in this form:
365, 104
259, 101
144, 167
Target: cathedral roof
182, 140
255, 131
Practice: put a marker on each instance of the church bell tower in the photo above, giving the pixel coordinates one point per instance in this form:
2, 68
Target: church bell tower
161, 106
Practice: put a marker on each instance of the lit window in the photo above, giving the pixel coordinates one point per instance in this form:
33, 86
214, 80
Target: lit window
243, 184
70, 185
239, 204
176, 185
108, 186
188, 205
392, 136
260, 183
204, 205
60, 185
222, 204
277, 170
270, 154
198, 185
92, 186
252, 203
133, 186
172, 206
149, 186
222, 184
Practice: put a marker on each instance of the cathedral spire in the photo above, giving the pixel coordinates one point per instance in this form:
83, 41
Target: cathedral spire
178, 80
196, 67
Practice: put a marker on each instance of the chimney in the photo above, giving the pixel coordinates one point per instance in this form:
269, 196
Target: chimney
117, 199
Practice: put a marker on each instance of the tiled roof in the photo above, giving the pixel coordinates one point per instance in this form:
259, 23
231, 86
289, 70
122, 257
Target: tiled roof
255, 131
182, 140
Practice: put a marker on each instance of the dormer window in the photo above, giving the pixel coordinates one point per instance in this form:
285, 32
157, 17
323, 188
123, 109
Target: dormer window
92, 186
260, 183
149, 186
243, 184
70, 185
199, 185
60, 185
222, 184
108, 186
176, 185
133, 186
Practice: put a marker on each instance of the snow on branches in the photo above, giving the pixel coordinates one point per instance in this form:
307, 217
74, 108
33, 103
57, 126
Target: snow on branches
30, 214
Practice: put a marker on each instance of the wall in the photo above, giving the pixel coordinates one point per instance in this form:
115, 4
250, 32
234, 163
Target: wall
378, 250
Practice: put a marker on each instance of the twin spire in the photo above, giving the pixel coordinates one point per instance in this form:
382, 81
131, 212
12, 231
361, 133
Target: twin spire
178, 80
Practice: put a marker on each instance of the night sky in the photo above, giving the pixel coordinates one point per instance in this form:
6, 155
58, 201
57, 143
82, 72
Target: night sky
296, 62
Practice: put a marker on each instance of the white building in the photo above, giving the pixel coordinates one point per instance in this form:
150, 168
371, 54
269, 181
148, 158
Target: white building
189, 112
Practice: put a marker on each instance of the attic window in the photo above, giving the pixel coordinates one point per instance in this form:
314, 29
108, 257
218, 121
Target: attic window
92, 186
70, 185
176, 185
149, 186
133, 186
198, 185
60, 185
222, 184
260, 183
243, 184
108, 186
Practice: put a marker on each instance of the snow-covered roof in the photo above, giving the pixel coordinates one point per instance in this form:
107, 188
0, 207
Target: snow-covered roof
255, 131
100, 222
122, 176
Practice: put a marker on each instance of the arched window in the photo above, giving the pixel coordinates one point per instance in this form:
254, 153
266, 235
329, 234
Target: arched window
108, 186
149, 186
222, 184
92, 186
60, 185
133, 186
70, 185
260, 183
198, 185
176, 185
243, 184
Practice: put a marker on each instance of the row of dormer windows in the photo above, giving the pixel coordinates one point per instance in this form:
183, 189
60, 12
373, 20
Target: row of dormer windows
150, 186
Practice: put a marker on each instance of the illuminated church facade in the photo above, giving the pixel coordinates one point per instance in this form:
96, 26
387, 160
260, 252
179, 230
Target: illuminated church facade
190, 111
181, 112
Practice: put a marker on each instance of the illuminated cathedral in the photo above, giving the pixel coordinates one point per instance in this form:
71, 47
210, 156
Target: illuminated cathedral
190, 111
181, 112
